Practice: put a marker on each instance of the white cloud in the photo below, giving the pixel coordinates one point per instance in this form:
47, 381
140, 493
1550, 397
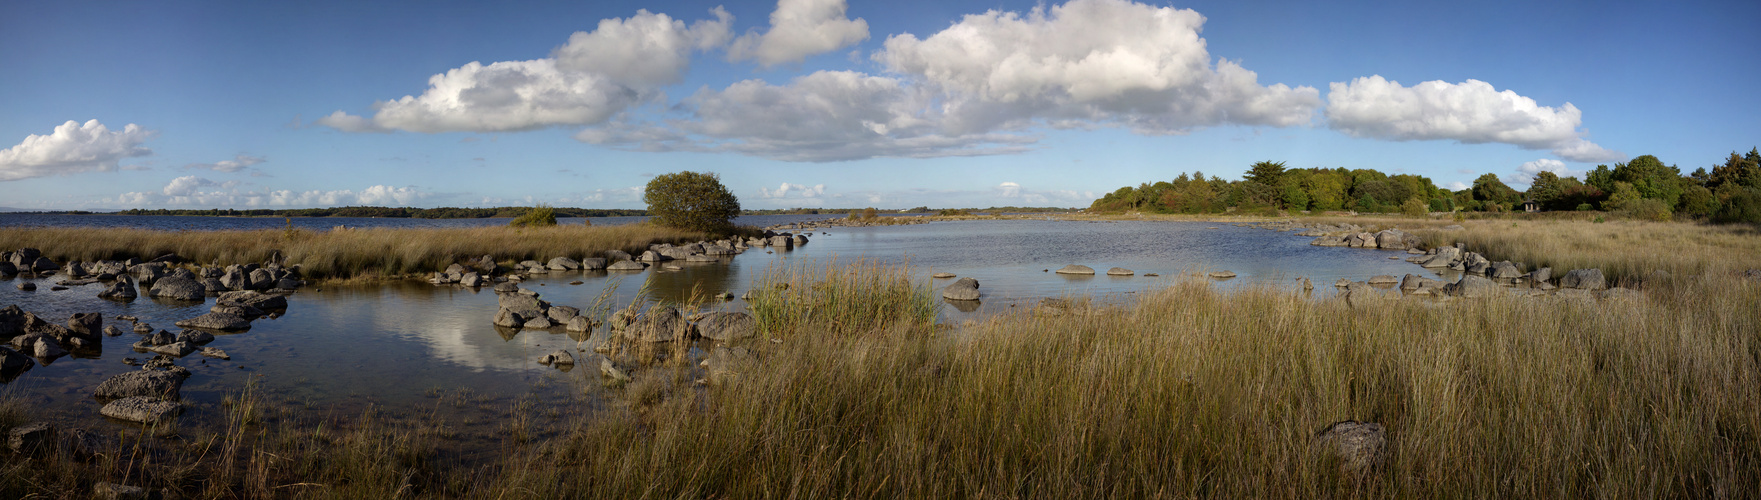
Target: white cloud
1525, 173
589, 80
238, 163
1009, 189
187, 191
1470, 112
72, 148
1091, 61
1456, 186
802, 191
798, 29
645, 50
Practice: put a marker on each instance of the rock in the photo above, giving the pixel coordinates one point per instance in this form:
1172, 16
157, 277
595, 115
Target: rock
964, 289
45, 347
31, 438
562, 314
1393, 239
217, 321
14, 363
1342, 283
235, 279
509, 319
142, 409
592, 263
215, 352
1306, 284
1362, 294
27, 286
1473, 286
113, 491
942, 276
652, 256
261, 279
727, 326
538, 323
88, 325
1357, 447
143, 328
1329, 241
177, 349
560, 357
179, 288
528, 306
661, 324
1076, 269
1541, 276
1585, 279
612, 371
122, 289
1119, 271
506, 287
1222, 275
471, 279
579, 324
1361, 240
1505, 270
1382, 279
617, 255
195, 337
626, 265
112, 331
563, 264
161, 338
235, 309
158, 384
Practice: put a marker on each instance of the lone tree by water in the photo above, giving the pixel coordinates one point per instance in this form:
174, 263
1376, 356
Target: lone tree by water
690, 200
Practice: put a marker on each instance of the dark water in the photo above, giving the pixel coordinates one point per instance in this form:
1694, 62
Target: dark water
415, 347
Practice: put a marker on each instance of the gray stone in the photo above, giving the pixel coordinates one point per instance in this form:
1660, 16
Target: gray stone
159, 384
471, 279
1222, 275
1393, 239
88, 325
1585, 279
626, 265
176, 349
510, 319
217, 321
560, 357
1541, 275
142, 409
215, 352
13, 363
579, 324
1119, 271
179, 288
727, 326
112, 331
611, 371
27, 286
1473, 286
592, 263
195, 337
962, 289
235, 309
562, 314
1382, 279
31, 438
528, 306
564, 264
261, 279
1505, 270
1356, 447
1076, 269
538, 323
662, 324
260, 300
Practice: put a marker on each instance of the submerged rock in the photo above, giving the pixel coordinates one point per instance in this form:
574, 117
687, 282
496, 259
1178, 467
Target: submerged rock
158, 384
1120, 271
217, 321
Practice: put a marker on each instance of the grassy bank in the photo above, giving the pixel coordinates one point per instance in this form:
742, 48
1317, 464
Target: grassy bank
1187, 391
348, 253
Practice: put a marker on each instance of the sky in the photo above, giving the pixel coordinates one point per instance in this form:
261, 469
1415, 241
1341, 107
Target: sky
840, 103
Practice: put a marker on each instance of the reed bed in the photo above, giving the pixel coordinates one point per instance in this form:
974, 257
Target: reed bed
345, 253
1185, 392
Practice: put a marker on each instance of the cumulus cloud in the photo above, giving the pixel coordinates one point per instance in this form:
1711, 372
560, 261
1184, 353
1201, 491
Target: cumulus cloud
586, 81
1470, 112
798, 29
802, 191
72, 148
1456, 186
238, 163
1108, 61
188, 191
1525, 173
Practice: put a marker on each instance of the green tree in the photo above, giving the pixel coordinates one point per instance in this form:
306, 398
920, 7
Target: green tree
541, 215
1293, 196
1487, 188
1547, 189
691, 200
1265, 172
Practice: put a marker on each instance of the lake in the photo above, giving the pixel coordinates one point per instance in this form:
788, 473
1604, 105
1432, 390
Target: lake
416, 348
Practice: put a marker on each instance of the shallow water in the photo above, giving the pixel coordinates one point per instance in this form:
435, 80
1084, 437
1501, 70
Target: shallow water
417, 348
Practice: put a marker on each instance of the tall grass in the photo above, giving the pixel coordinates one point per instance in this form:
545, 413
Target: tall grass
1626, 250
345, 253
861, 297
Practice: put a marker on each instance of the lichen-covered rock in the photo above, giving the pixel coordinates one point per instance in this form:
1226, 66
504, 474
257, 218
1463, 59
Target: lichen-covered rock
179, 288
142, 409
662, 324
158, 384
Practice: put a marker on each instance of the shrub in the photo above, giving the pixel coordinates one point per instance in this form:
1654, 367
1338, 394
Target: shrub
692, 201
541, 215
1585, 207
1740, 205
1413, 208
1646, 209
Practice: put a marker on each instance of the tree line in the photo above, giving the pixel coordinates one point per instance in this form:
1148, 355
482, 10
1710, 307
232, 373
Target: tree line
1644, 187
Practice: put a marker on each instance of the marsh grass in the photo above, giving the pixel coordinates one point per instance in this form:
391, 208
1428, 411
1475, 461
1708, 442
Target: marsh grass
864, 296
345, 253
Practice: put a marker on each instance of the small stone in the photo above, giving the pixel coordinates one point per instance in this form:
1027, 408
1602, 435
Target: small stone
142, 409
1222, 275
560, 357
215, 352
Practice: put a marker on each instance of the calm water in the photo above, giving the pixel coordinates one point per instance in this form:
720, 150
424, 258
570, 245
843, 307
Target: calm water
432, 350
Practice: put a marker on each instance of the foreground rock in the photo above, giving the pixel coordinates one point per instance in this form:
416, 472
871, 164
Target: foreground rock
662, 324
260, 300
1472, 286
13, 363
626, 265
142, 409
1584, 279
225, 322
123, 289
156, 384
1076, 269
1357, 447
964, 289
179, 288
727, 326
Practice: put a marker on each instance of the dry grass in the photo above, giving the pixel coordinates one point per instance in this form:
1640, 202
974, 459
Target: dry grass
347, 253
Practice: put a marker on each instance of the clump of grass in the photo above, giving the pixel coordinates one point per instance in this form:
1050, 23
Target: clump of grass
1625, 250
349, 253
865, 296
538, 216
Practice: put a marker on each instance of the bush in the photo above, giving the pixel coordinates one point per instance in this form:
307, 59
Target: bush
541, 215
1585, 207
692, 201
1413, 208
1646, 209
1740, 205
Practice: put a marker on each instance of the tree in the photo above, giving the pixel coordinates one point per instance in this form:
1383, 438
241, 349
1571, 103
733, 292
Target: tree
1265, 172
690, 200
1489, 188
1547, 190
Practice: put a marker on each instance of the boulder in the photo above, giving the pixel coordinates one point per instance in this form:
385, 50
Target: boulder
1329, 241
215, 352
236, 309
179, 288
142, 409
43, 264
158, 384
579, 324
528, 306
1584, 279
652, 256
592, 263
7, 269
88, 325
235, 279
726, 326
1222, 275
471, 279
112, 331
611, 371
1505, 270
562, 314
509, 319
1356, 447
1362, 294
1473, 286
31, 438
261, 279
1541, 275
1393, 239
195, 337
13, 363
563, 264
225, 322
1119, 271
507, 287
1361, 240
617, 255
663, 324
964, 289
1076, 269
1382, 279
560, 357
538, 323
27, 286
174, 349
42, 346
627, 265
942, 276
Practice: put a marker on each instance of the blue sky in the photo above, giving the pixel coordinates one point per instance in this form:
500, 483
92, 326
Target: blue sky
823, 103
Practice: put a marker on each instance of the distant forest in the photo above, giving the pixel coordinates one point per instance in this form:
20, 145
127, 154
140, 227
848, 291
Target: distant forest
391, 212
1644, 187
